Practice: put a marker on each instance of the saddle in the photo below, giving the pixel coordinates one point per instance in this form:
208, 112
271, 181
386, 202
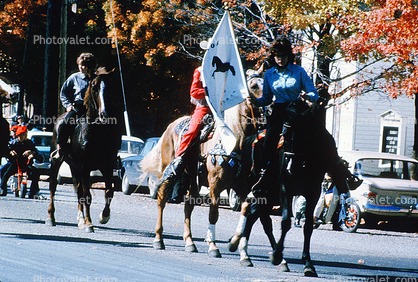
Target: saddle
208, 122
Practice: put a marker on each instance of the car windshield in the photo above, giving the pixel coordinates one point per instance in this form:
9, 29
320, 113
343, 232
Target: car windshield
44, 141
131, 147
383, 168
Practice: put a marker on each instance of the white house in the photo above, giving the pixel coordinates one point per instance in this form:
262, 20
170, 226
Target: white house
9, 110
373, 122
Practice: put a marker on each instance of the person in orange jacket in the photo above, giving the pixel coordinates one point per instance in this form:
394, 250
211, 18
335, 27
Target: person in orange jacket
197, 97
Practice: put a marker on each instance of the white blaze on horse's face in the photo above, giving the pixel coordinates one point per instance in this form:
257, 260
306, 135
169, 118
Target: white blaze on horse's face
102, 110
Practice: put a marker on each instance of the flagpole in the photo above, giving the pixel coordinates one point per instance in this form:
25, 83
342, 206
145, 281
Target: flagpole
223, 91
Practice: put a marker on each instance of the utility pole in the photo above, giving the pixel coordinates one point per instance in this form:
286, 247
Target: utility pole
50, 96
63, 51
23, 79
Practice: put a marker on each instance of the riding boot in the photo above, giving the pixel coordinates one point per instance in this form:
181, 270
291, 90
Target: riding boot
179, 189
172, 173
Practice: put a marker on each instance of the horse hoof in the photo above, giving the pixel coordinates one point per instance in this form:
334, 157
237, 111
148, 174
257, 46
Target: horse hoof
191, 248
275, 258
159, 245
50, 222
103, 219
309, 270
89, 229
233, 243
246, 262
215, 253
283, 267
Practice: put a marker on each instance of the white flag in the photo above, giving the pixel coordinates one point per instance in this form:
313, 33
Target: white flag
224, 77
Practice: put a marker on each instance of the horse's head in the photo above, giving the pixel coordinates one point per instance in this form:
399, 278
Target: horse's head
255, 81
97, 98
255, 87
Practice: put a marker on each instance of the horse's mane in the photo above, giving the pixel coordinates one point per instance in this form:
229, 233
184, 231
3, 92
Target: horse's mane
91, 100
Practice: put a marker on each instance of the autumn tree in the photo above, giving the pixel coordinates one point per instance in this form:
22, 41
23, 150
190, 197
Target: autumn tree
14, 23
321, 26
161, 39
388, 32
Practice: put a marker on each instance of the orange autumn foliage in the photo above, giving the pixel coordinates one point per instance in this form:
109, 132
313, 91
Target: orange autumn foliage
389, 31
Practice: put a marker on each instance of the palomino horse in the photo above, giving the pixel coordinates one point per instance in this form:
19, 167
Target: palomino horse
223, 171
94, 145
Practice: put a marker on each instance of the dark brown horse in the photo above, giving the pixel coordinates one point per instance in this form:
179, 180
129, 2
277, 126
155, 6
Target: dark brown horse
301, 173
300, 165
223, 171
94, 145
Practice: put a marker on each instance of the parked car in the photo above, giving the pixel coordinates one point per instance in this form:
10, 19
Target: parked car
130, 146
42, 141
131, 175
387, 190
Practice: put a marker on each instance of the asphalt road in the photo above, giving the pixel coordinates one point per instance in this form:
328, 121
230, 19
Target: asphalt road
122, 249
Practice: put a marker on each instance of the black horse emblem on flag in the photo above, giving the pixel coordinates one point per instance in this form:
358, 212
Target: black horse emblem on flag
221, 67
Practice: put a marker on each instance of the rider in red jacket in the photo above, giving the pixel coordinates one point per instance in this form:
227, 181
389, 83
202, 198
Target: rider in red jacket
197, 97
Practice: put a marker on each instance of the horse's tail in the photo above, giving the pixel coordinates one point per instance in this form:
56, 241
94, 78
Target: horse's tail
162, 153
152, 161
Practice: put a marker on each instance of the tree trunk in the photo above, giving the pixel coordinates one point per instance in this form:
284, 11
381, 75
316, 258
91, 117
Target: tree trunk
50, 97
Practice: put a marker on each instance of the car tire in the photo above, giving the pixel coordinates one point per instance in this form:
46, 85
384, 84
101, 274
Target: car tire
127, 189
351, 223
153, 186
233, 199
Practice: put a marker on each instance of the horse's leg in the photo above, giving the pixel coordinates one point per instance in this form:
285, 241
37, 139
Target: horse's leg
242, 223
213, 250
161, 202
265, 220
53, 173
309, 269
276, 256
105, 214
188, 209
86, 200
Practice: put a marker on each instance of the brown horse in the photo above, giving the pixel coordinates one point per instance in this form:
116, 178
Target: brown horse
94, 145
223, 171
